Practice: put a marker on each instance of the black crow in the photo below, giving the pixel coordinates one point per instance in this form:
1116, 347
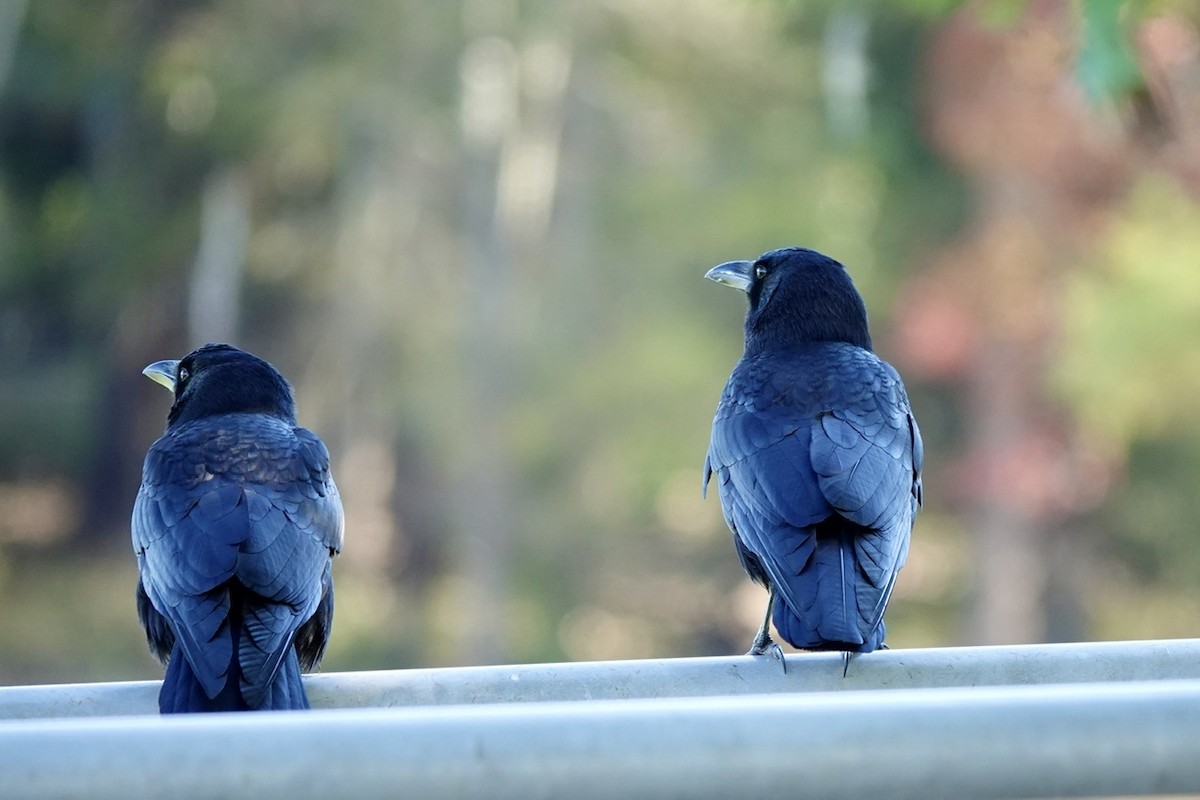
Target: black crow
235, 528
816, 454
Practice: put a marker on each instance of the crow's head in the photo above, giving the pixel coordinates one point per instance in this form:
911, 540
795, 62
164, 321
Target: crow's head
797, 296
220, 379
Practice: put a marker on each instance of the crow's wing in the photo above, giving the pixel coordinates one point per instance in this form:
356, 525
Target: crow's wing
803, 443
237, 514
286, 563
186, 532
867, 454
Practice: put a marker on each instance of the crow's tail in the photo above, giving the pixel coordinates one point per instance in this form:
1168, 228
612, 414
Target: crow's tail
830, 590
182, 693
286, 691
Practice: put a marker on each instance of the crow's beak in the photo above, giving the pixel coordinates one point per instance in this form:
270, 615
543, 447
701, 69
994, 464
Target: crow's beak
738, 274
163, 373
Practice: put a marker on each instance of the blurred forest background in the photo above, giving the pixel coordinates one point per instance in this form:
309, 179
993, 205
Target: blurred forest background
473, 234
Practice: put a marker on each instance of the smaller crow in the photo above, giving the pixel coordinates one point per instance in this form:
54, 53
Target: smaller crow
235, 528
816, 454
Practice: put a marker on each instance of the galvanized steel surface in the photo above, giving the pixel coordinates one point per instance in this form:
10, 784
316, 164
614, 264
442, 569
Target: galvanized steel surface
685, 677
984, 742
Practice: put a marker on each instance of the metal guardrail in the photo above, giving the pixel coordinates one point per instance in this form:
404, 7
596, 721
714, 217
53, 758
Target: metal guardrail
986, 742
1095, 662
1094, 719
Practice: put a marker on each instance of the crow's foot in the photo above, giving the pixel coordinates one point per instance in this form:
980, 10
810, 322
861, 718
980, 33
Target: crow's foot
767, 647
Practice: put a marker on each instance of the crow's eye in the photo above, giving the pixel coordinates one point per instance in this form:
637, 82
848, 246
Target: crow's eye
760, 272
183, 374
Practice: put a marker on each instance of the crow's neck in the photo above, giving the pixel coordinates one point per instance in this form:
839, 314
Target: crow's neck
802, 331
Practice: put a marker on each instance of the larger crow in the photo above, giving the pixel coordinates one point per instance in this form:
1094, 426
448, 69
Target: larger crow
235, 528
816, 453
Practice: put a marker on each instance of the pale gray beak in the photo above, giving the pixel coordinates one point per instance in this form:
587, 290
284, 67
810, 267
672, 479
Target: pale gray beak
163, 373
738, 274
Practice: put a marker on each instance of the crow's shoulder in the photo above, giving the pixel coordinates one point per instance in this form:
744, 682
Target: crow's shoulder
808, 380
246, 448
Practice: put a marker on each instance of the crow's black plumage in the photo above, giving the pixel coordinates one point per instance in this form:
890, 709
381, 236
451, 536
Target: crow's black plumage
816, 454
235, 528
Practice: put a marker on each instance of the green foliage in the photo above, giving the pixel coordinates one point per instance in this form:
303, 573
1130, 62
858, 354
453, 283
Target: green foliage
1129, 363
1130, 368
1106, 66
1146, 586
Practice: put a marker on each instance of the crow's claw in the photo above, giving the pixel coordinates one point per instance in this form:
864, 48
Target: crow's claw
769, 648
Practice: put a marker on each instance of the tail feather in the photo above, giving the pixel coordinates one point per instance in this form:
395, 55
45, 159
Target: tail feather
830, 591
287, 689
183, 693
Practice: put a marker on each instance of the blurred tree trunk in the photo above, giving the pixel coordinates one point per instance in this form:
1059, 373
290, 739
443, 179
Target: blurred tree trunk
214, 293
845, 71
482, 510
12, 15
512, 101
1010, 537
